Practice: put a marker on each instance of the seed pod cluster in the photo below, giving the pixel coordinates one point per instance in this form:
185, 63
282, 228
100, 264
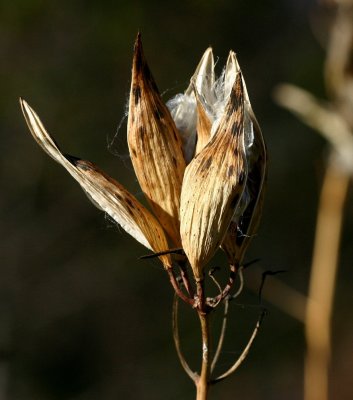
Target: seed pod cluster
201, 164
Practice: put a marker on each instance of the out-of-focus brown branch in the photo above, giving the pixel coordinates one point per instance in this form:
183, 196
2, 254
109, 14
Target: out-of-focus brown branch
323, 118
322, 283
339, 60
334, 121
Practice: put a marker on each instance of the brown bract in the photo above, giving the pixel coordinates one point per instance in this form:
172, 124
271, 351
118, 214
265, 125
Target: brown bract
155, 147
213, 184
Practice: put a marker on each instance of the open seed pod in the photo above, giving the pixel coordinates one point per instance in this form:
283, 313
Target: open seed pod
155, 147
213, 185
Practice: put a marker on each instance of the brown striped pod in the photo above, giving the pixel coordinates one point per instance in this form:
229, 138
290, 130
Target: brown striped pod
155, 147
105, 192
213, 185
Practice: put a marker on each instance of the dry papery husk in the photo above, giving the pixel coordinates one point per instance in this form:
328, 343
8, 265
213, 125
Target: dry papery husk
155, 147
213, 184
244, 227
106, 193
203, 125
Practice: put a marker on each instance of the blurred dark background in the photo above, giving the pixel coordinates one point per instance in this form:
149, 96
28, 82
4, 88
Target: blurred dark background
80, 316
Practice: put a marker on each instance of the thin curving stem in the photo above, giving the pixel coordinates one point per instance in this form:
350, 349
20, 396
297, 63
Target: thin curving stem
224, 293
211, 273
177, 289
185, 278
176, 338
241, 284
221, 336
225, 319
245, 352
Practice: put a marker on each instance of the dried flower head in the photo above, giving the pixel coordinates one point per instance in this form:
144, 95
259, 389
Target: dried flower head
200, 161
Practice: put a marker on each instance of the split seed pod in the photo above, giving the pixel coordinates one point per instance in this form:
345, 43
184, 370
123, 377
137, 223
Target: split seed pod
213, 184
183, 106
106, 193
245, 224
155, 147
246, 220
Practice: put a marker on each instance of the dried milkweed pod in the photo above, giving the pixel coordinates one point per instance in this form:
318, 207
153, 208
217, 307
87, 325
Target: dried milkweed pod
246, 219
155, 146
106, 193
183, 106
213, 184
245, 222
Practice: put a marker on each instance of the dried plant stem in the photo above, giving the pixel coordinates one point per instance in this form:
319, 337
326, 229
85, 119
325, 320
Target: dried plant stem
245, 352
225, 319
177, 289
203, 381
222, 335
185, 278
322, 283
182, 360
224, 293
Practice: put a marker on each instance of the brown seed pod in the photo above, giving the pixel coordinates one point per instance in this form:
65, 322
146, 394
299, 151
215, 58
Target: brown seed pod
243, 227
155, 146
106, 193
213, 184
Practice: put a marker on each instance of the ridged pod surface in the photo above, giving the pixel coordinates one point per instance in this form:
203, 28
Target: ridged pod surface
155, 147
213, 184
241, 231
106, 193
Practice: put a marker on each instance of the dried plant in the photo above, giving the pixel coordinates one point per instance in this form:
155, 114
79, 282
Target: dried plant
201, 163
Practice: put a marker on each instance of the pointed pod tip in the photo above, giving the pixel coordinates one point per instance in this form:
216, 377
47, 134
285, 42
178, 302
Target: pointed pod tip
232, 57
22, 102
208, 51
141, 74
207, 59
138, 41
26, 109
232, 62
138, 59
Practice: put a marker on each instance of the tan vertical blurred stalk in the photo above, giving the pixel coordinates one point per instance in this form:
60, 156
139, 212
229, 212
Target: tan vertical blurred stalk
334, 122
322, 283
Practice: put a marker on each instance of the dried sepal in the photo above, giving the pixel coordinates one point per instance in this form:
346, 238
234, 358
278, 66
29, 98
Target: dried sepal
155, 146
106, 193
213, 184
